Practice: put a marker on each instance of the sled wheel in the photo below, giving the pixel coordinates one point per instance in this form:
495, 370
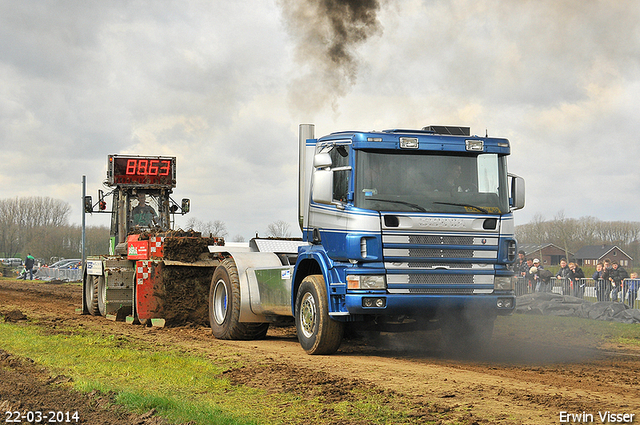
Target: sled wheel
224, 306
100, 295
317, 332
90, 295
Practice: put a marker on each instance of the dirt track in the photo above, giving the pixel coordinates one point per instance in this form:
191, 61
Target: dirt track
520, 381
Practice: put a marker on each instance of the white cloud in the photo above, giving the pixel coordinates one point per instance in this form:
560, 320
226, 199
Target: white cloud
212, 83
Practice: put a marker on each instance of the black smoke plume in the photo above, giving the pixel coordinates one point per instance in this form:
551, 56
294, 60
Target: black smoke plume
326, 34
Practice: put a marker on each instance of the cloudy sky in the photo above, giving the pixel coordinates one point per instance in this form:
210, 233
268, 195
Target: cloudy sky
223, 85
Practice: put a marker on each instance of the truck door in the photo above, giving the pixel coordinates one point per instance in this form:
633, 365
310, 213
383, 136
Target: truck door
328, 218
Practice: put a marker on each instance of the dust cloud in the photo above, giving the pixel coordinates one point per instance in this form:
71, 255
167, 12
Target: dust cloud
503, 347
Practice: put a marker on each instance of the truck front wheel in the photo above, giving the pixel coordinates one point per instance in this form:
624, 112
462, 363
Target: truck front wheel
224, 306
317, 332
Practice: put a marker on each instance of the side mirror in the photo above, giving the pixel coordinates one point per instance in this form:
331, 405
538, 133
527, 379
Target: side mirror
517, 192
322, 186
186, 205
322, 160
88, 204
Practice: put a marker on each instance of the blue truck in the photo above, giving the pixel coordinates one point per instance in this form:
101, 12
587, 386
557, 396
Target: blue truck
401, 230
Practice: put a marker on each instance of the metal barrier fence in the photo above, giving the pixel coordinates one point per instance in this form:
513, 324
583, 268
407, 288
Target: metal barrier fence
68, 275
587, 289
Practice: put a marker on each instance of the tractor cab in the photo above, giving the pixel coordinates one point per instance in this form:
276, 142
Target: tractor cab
141, 197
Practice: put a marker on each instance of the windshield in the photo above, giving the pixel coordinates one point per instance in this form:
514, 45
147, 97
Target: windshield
428, 182
144, 211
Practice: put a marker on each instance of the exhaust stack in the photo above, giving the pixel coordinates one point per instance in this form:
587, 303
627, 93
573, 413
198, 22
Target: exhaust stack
305, 131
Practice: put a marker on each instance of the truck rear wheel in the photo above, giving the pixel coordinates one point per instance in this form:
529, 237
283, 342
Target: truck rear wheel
224, 306
317, 332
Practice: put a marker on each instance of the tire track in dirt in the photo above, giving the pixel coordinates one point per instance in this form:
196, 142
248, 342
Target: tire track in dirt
530, 383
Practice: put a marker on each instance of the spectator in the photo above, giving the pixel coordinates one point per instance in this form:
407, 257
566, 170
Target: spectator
563, 276
28, 265
575, 276
632, 289
607, 276
528, 277
521, 264
542, 279
618, 276
599, 282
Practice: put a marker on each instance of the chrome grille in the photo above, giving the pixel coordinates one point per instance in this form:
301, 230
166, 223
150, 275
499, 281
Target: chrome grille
433, 265
440, 279
441, 253
457, 291
440, 240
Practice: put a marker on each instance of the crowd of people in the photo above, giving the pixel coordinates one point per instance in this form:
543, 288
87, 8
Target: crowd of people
612, 282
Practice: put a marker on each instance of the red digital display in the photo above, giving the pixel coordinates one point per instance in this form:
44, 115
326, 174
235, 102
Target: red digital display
142, 171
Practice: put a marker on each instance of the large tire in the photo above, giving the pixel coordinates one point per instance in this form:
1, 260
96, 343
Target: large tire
317, 332
224, 306
100, 290
90, 295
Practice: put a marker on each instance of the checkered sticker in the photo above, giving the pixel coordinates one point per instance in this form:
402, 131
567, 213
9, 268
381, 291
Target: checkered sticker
142, 272
155, 245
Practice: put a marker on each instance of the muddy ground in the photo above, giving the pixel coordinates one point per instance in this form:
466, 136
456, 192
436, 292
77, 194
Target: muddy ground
520, 381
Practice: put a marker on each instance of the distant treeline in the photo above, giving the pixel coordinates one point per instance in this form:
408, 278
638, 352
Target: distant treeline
40, 225
571, 234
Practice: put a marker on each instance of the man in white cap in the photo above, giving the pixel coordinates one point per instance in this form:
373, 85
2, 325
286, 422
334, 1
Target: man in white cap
540, 285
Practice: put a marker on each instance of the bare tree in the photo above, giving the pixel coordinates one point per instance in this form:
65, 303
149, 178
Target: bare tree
23, 220
215, 228
238, 238
278, 229
573, 234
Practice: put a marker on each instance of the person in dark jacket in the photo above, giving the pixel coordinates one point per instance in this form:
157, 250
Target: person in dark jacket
618, 276
632, 289
607, 276
563, 277
28, 265
520, 266
528, 277
600, 284
577, 284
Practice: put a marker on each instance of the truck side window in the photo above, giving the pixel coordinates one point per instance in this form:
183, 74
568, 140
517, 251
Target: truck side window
340, 159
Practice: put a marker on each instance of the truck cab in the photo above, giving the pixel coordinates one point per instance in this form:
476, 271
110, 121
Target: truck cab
411, 226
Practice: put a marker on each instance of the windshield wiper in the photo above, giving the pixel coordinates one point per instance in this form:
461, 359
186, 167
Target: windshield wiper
463, 205
409, 204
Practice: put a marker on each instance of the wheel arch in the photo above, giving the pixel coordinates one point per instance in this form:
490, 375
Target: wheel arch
308, 264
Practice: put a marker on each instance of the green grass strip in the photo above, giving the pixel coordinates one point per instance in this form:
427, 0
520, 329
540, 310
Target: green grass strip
181, 386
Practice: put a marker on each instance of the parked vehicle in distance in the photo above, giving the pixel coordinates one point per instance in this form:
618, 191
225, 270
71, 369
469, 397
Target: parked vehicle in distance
66, 263
12, 262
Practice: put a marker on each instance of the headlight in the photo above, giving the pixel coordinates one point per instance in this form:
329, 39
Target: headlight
366, 282
503, 283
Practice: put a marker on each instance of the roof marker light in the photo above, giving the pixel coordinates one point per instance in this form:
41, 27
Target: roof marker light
475, 145
409, 143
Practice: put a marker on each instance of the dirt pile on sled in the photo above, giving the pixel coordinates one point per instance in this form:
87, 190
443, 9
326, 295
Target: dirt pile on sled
185, 294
